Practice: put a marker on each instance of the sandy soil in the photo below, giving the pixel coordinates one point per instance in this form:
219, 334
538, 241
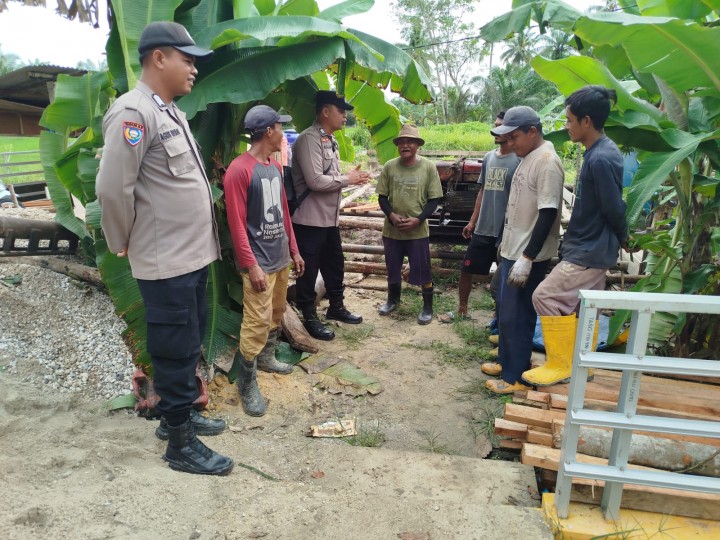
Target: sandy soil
69, 469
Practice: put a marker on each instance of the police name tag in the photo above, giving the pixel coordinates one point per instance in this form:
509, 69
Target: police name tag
133, 132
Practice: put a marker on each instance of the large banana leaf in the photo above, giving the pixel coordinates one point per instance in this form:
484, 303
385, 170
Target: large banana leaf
130, 18
241, 80
682, 9
346, 9
122, 287
560, 14
681, 53
52, 146
570, 74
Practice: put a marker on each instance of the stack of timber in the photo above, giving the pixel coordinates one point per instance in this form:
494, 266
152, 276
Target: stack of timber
533, 424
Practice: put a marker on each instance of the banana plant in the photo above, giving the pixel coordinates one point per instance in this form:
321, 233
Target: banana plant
274, 52
660, 57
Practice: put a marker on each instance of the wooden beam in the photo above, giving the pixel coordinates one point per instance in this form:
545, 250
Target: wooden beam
664, 501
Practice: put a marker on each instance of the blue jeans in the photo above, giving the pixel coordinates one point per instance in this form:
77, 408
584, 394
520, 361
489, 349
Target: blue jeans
516, 320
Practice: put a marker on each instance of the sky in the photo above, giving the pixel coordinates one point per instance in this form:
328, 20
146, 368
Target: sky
33, 33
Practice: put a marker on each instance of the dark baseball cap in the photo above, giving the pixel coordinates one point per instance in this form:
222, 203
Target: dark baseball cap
330, 97
516, 117
262, 116
170, 34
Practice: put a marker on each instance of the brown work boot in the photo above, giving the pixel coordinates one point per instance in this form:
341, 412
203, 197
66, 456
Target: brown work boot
504, 388
491, 368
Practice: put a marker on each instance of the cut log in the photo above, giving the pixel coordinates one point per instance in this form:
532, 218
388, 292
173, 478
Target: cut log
650, 451
373, 224
76, 271
443, 254
295, 332
660, 500
380, 269
359, 192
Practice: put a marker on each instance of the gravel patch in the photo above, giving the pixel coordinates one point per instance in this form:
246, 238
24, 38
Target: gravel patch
64, 334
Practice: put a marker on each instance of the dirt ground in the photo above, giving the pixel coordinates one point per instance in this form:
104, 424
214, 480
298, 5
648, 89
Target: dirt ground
69, 469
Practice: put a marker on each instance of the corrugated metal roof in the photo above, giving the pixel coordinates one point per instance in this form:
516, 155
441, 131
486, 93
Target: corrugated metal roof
29, 85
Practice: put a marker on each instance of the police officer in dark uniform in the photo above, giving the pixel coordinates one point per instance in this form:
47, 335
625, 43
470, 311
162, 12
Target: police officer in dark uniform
157, 209
318, 181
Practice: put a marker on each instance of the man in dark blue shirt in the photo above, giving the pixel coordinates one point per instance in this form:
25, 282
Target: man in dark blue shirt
596, 231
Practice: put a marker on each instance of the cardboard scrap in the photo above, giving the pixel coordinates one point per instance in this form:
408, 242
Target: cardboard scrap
333, 428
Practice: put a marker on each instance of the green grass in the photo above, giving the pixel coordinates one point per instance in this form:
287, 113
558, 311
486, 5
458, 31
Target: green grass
368, 436
19, 144
471, 136
353, 337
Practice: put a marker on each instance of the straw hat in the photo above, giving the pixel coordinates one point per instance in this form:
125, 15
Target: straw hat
409, 131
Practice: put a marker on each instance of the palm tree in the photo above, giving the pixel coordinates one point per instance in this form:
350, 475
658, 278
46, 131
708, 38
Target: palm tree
520, 48
516, 85
556, 44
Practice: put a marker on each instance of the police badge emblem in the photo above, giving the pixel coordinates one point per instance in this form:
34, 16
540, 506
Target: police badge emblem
133, 132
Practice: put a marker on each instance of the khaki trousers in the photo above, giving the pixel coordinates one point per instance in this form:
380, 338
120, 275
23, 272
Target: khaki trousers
558, 293
262, 311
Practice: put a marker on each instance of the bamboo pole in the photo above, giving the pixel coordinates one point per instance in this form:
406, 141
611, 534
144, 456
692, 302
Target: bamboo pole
379, 269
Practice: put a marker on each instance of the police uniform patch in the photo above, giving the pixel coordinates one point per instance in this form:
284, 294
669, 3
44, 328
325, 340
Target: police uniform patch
133, 132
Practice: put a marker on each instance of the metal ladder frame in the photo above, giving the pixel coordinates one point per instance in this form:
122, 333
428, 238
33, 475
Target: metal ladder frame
632, 363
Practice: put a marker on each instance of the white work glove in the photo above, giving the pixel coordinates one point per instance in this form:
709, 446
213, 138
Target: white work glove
520, 272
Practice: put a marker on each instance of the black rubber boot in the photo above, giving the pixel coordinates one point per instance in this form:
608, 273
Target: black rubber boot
393, 299
314, 327
201, 425
252, 401
266, 360
426, 314
186, 453
338, 312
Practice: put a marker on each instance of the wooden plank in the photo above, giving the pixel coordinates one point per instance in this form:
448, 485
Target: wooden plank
510, 444
513, 430
665, 501
542, 397
531, 416
539, 437
659, 396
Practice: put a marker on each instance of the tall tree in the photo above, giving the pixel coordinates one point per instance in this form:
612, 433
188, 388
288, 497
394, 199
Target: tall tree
520, 48
556, 44
441, 36
82, 10
9, 62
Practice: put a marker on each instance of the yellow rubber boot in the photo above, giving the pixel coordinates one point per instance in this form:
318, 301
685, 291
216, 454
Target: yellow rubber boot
559, 337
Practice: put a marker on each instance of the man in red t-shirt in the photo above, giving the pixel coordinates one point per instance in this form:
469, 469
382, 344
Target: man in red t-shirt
264, 245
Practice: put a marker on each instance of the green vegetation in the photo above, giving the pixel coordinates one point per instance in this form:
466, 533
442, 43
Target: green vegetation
19, 144
470, 136
369, 437
353, 337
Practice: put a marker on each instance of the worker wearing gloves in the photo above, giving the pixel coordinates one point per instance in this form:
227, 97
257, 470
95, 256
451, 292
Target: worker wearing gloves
530, 239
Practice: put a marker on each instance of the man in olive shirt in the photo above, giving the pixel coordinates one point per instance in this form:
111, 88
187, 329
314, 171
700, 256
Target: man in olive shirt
409, 191
318, 183
157, 210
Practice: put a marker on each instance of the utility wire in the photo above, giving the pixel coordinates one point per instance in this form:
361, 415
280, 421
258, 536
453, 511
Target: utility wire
409, 48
